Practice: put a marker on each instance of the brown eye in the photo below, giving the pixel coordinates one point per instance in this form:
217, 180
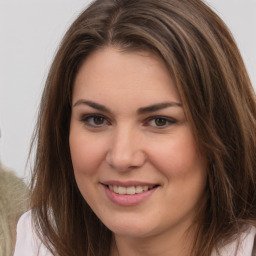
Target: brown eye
94, 120
98, 120
160, 121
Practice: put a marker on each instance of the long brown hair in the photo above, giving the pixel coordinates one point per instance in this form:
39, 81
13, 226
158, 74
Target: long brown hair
219, 102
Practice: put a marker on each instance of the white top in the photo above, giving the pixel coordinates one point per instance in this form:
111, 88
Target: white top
28, 244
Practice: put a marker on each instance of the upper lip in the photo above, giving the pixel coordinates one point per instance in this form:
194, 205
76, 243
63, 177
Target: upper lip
127, 183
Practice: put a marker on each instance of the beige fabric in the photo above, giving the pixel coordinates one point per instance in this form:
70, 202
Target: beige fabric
13, 193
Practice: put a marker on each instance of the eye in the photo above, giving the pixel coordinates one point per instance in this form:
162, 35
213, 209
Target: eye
94, 120
160, 122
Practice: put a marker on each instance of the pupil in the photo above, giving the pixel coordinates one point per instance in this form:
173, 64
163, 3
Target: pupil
160, 122
98, 120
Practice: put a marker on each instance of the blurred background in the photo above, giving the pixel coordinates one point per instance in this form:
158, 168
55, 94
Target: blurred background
30, 31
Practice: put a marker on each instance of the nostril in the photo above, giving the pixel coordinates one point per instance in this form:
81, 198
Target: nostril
125, 161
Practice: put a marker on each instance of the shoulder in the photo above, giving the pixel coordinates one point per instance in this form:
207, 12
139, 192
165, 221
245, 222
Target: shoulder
27, 242
242, 246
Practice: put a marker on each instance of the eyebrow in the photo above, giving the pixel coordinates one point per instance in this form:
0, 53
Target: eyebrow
143, 110
92, 105
159, 106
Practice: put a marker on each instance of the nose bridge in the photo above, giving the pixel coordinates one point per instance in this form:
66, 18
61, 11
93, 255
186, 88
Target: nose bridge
125, 151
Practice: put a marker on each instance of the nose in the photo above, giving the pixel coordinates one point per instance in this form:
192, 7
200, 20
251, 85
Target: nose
126, 151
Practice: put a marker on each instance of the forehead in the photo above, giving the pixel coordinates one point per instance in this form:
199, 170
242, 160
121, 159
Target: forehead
112, 70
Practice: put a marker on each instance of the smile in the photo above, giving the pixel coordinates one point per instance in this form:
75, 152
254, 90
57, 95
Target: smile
129, 193
131, 190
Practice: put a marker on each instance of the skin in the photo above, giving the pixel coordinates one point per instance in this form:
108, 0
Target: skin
131, 142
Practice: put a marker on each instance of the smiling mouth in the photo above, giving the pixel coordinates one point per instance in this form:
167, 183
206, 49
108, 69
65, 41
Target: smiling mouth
131, 190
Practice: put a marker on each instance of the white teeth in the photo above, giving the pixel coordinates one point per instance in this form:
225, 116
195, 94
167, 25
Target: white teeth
121, 190
145, 188
138, 189
132, 190
116, 189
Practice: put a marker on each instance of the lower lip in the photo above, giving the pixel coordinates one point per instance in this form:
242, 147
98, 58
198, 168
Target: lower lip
128, 200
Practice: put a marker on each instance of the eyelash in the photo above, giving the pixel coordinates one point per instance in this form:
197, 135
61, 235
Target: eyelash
92, 117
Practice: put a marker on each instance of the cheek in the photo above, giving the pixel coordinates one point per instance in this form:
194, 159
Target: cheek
185, 173
86, 154
178, 155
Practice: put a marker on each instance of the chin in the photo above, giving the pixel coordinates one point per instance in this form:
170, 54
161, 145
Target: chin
135, 229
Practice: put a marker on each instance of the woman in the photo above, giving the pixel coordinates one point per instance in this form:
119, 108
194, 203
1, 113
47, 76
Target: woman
146, 137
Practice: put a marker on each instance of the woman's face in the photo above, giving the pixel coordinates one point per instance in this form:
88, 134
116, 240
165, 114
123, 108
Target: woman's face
134, 155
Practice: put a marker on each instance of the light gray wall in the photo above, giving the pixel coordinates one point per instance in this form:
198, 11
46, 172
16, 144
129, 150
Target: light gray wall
30, 31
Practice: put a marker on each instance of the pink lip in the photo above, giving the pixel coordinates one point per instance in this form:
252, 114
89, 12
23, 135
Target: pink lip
128, 200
